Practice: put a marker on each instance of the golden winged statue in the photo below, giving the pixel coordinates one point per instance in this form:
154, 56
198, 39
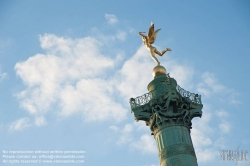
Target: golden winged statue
149, 40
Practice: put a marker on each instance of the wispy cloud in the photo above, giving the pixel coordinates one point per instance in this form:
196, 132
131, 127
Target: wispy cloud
40, 121
3, 76
146, 144
206, 155
111, 19
118, 35
126, 135
141, 125
221, 113
205, 143
114, 128
202, 140
210, 86
121, 35
4, 44
207, 137
19, 125
224, 125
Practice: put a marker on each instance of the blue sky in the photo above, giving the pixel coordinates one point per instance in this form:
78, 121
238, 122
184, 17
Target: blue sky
68, 69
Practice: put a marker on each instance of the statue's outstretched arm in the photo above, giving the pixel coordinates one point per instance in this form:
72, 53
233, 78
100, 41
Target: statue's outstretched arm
141, 34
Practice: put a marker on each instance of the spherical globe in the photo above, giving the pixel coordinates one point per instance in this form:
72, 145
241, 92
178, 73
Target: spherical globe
159, 70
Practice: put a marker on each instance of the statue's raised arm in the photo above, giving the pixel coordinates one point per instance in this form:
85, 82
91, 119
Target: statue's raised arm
150, 39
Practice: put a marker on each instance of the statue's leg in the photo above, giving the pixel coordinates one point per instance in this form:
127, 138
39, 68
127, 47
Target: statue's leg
158, 53
163, 52
154, 58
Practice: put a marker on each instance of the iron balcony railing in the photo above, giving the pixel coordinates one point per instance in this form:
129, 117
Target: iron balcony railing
156, 93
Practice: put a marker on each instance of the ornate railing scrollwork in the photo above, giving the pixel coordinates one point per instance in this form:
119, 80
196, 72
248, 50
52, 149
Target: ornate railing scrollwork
194, 98
156, 93
144, 99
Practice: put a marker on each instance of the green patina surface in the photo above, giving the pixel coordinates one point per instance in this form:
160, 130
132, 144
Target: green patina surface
168, 111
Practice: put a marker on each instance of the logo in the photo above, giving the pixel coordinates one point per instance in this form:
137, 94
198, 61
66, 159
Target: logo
234, 155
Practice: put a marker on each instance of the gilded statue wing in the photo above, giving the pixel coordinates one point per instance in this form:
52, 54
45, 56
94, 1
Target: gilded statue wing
151, 30
155, 34
152, 34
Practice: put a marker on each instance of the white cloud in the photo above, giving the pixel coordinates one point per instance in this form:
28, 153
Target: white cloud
114, 128
234, 98
203, 91
19, 125
3, 76
202, 136
221, 113
208, 135
132, 79
204, 146
141, 125
71, 76
201, 130
40, 121
112, 19
182, 73
205, 155
220, 143
5, 44
235, 102
209, 85
146, 144
108, 40
225, 126
94, 97
208, 139
211, 82
121, 35
126, 135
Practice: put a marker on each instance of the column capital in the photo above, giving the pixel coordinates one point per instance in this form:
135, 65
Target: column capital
166, 104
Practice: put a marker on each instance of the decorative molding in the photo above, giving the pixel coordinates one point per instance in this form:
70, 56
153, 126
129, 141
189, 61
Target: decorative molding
171, 122
176, 150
